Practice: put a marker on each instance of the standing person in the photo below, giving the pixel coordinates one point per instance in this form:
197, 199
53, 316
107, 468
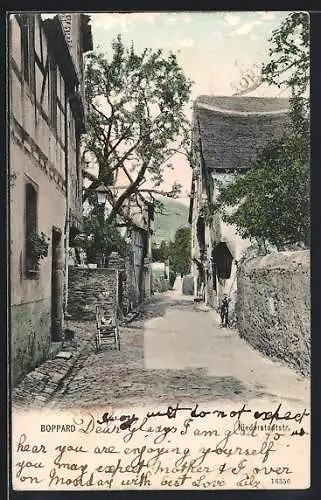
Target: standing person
224, 310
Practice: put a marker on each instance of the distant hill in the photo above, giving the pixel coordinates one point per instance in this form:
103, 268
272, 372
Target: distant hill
165, 226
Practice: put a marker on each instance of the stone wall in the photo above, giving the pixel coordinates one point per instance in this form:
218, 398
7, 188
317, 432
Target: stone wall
273, 306
30, 337
85, 290
30, 334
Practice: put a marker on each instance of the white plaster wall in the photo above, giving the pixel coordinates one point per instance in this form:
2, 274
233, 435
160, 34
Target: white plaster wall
237, 245
51, 212
227, 232
48, 175
158, 266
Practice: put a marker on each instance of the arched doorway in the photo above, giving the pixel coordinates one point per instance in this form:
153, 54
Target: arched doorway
222, 260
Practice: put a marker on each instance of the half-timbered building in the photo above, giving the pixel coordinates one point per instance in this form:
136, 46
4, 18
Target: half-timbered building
47, 118
228, 134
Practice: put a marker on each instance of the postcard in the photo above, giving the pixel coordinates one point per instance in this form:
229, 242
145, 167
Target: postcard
160, 250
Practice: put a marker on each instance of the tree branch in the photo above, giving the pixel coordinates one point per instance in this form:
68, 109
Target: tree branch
131, 189
122, 137
278, 73
101, 113
156, 191
125, 156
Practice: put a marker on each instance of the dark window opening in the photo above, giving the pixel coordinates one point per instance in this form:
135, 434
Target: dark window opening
214, 270
31, 203
223, 261
200, 232
145, 244
56, 286
27, 48
204, 179
210, 187
53, 94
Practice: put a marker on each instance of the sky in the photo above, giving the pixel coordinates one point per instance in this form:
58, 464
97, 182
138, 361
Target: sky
213, 48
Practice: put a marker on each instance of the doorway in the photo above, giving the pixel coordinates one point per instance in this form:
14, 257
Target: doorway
222, 261
56, 286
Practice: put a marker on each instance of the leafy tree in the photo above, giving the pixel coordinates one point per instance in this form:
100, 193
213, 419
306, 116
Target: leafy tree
99, 238
136, 120
272, 199
180, 251
289, 58
289, 65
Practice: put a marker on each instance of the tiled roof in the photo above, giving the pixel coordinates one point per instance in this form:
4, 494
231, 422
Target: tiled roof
245, 104
234, 129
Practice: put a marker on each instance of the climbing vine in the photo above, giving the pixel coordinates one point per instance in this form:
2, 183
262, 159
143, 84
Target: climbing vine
207, 212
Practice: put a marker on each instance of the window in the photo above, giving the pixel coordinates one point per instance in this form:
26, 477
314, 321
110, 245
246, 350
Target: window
31, 221
53, 94
57, 103
223, 261
200, 231
27, 48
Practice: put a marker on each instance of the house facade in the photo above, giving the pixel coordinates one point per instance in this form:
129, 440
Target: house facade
140, 214
228, 133
134, 222
47, 117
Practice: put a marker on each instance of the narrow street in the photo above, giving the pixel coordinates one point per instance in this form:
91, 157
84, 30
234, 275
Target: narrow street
177, 351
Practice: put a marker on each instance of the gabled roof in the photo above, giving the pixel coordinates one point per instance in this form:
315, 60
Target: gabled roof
232, 130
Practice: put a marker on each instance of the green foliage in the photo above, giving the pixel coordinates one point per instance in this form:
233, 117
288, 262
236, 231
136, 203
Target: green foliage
289, 60
272, 199
289, 66
99, 237
160, 253
207, 213
180, 251
37, 249
136, 119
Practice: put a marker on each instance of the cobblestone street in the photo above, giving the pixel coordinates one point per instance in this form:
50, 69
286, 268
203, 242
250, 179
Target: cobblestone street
177, 351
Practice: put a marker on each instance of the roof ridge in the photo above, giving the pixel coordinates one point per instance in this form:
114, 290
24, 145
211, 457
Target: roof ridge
230, 112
